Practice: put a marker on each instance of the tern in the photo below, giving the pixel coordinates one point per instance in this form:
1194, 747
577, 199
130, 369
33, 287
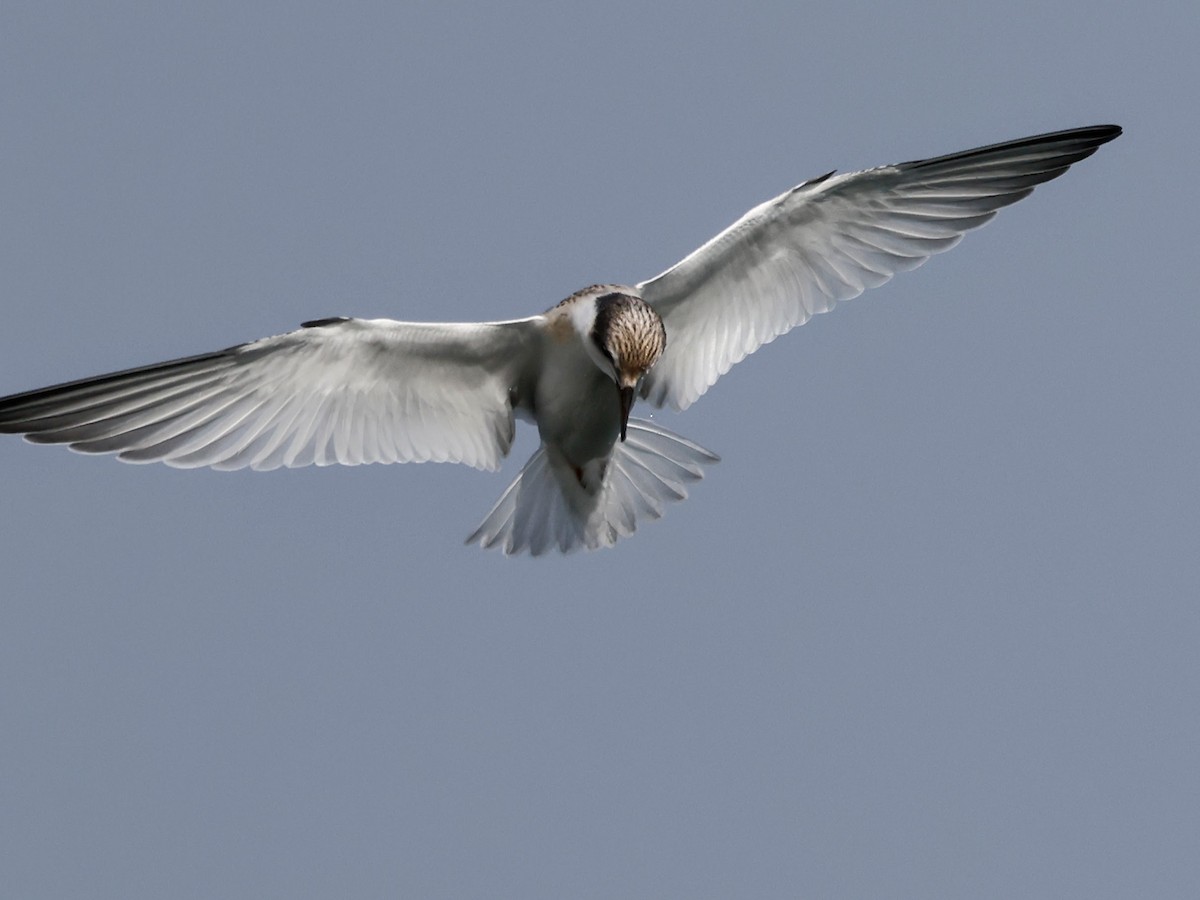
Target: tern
351, 391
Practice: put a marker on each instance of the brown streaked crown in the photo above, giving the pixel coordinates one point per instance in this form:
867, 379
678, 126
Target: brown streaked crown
629, 332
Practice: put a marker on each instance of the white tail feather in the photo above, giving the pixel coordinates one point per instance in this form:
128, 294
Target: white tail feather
546, 508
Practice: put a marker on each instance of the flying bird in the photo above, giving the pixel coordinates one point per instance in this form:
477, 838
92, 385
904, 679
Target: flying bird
351, 391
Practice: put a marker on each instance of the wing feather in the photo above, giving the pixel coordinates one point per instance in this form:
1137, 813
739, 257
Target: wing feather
828, 240
346, 391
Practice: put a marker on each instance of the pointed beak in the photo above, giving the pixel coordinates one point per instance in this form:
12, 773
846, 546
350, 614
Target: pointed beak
626, 406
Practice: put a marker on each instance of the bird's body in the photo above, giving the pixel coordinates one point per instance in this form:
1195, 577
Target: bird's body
580, 431
357, 391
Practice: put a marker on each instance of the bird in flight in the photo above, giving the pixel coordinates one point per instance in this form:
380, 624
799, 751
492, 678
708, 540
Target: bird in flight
351, 391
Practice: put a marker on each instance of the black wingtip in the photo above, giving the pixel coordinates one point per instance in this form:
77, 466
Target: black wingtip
321, 323
1099, 134
1077, 143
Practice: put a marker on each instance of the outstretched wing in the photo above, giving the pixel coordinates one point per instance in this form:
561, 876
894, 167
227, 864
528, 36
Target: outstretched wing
828, 240
346, 391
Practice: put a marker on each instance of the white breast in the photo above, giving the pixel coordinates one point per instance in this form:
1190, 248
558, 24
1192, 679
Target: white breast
575, 404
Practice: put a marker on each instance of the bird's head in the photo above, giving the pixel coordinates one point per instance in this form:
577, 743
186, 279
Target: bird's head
626, 339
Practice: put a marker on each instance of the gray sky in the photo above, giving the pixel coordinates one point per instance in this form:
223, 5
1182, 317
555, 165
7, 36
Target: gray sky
929, 629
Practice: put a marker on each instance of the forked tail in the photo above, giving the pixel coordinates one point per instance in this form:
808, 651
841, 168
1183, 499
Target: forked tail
546, 508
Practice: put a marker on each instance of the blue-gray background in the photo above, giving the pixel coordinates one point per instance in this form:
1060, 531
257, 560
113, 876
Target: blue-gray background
929, 630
